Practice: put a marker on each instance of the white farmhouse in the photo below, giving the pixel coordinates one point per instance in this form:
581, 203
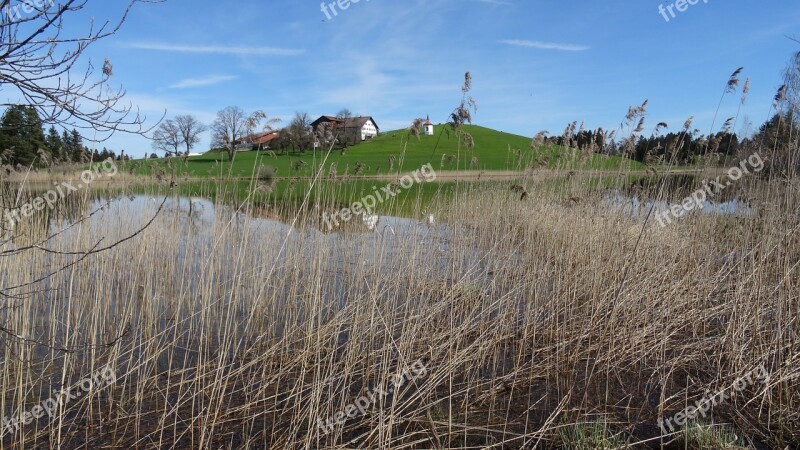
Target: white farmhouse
353, 129
365, 127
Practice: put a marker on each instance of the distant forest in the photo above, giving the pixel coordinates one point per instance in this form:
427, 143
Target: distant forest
25, 143
779, 135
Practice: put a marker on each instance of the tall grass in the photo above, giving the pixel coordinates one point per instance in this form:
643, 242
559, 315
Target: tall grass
532, 316
544, 317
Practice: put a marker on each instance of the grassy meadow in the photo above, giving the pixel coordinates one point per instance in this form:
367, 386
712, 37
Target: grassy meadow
491, 151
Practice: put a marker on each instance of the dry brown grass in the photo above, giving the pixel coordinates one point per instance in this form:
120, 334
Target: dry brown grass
530, 315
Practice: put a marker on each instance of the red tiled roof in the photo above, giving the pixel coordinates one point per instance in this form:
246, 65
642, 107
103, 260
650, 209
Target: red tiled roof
263, 138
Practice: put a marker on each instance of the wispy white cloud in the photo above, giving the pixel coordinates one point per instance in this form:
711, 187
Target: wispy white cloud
545, 45
200, 82
219, 50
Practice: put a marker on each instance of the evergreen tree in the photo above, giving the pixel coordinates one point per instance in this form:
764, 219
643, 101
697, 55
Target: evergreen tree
778, 138
66, 151
54, 145
779, 131
21, 135
76, 146
10, 134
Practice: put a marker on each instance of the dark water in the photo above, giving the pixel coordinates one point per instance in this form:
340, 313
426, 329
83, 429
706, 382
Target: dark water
662, 194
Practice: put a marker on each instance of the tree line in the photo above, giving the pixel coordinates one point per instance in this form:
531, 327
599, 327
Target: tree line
24, 142
778, 135
680, 147
777, 138
234, 129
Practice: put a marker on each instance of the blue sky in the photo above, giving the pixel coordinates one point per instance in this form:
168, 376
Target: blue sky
535, 64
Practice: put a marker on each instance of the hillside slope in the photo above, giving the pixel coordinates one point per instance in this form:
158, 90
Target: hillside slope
399, 150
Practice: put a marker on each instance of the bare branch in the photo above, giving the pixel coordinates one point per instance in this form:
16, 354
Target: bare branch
167, 137
38, 65
189, 129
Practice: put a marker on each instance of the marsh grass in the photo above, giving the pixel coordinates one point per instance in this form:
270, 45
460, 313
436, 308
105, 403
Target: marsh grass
232, 332
699, 436
544, 318
590, 436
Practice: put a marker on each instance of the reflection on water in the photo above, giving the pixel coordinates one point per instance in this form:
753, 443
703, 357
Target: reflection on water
202, 266
675, 188
639, 207
662, 193
206, 227
225, 232
198, 256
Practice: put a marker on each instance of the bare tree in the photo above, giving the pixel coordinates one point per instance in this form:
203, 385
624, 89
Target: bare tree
300, 130
190, 130
325, 135
344, 113
234, 127
39, 58
229, 127
344, 116
167, 137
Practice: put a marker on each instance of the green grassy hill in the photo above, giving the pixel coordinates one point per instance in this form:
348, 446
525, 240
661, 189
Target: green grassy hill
492, 151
